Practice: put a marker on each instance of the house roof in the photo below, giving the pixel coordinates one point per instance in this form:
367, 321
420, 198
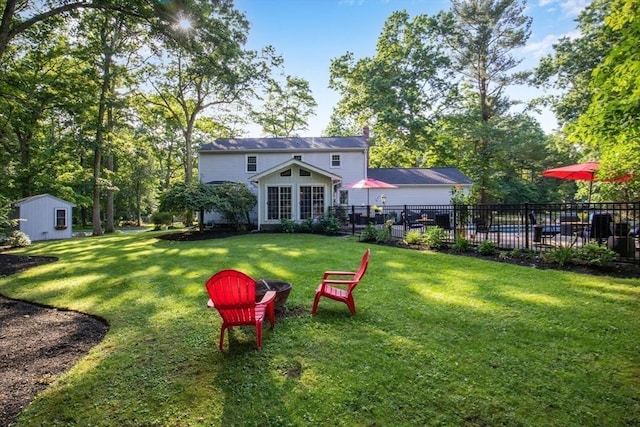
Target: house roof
419, 176
288, 144
288, 163
39, 196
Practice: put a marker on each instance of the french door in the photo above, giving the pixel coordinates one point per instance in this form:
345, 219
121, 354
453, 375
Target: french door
311, 201
279, 203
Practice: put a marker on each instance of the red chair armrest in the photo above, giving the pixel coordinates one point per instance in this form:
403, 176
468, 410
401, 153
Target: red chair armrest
337, 273
267, 298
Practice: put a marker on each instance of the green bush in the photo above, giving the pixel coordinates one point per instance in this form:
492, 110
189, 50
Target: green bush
16, 239
560, 256
434, 237
461, 245
487, 247
596, 254
369, 234
330, 226
161, 219
413, 237
383, 235
287, 226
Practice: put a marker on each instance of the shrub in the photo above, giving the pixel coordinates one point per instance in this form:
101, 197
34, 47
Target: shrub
369, 234
560, 256
487, 247
383, 235
596, 254
330, 226
17, 239
161, 219
434, 237
287, 226
461, 245
413, 237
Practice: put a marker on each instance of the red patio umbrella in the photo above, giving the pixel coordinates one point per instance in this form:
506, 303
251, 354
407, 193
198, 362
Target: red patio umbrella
370, 183
581, 172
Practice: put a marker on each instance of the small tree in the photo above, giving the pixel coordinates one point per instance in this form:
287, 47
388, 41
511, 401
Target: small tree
188, 198
234, 201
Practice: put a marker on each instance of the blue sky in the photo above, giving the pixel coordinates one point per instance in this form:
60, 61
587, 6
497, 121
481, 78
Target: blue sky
310, 33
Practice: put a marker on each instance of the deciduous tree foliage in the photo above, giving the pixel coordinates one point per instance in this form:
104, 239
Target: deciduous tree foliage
398, 92
611, 122
287, 107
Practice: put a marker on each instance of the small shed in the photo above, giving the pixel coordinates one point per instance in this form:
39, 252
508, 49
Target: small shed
44, 217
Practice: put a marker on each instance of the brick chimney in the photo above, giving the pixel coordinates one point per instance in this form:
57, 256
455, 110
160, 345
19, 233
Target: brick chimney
365, 133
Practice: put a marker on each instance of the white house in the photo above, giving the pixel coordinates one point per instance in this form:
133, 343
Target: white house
43, 217
300, 178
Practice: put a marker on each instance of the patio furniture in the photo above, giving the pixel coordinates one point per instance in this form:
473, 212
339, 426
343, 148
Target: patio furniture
233, 294
542, 231
349, 280
599, 227
443, 221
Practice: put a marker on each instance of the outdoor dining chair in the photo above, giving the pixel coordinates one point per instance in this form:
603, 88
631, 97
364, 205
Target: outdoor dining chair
333, 283
233, 294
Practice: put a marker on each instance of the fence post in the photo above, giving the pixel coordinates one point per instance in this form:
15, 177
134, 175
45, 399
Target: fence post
526, 225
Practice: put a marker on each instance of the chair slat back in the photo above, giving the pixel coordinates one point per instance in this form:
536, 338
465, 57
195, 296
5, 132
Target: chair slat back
233, 294
361, 270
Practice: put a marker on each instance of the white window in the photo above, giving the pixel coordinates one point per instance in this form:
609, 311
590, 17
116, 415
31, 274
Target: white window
279, 203
311, 202
61, 219
252, 164
336, 160
344, 197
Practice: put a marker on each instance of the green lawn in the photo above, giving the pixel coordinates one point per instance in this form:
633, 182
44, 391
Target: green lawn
437, 339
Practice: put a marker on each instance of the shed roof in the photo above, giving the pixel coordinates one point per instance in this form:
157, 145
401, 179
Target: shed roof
39, 196
288, 144
420, 176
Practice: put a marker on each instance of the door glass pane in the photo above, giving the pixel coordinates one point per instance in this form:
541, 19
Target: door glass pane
305, 202
285, 203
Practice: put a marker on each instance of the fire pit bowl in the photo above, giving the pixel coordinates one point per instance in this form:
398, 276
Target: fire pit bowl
282, 290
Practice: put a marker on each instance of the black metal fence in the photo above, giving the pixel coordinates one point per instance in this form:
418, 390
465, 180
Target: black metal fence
537, 227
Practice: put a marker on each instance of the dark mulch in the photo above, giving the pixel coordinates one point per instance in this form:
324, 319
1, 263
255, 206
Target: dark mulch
37, 343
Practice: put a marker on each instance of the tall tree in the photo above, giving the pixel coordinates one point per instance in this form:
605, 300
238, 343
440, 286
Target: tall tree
398, 92
214, 71
482, 36
287, 107
20, 16
569, 68
611, 122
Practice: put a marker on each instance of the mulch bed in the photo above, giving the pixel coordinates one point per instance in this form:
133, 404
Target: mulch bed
37, 343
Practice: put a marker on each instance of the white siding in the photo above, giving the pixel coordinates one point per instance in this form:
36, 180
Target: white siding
39, 215
230, 166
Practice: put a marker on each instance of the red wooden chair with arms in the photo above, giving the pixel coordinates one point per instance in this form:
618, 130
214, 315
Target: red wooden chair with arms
233, 294
328, 288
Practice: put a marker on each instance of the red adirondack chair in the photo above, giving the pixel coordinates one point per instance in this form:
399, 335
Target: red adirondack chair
330, 280
233, 294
